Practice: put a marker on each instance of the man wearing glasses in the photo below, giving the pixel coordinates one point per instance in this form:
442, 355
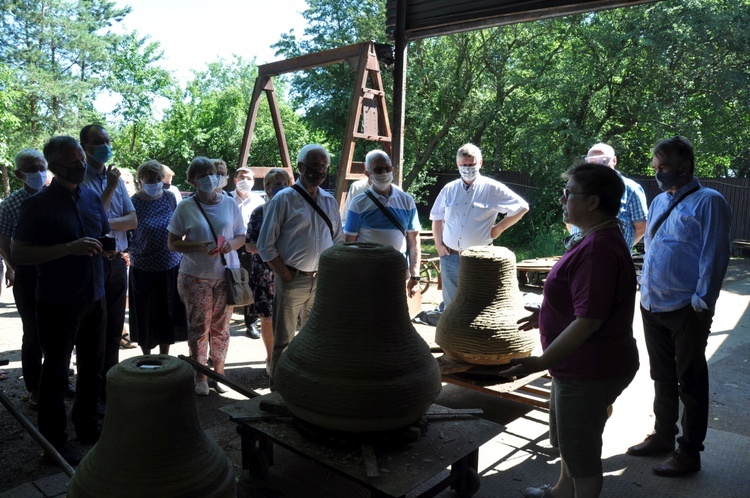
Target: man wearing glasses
633, 207
465, 215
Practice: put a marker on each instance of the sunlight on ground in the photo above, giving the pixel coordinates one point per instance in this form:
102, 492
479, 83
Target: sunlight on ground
725, 323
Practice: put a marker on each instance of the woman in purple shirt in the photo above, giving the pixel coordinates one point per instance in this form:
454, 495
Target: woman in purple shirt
586, 329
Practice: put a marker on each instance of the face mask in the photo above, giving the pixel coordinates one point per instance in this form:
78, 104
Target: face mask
381, 181
244, 186
667, 179
276, 189
208, 183
72, 175
102, 153
222, 181
468, 173
152, 189
36, 180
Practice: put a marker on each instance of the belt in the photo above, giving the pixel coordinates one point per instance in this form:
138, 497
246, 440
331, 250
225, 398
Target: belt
115, 256
296, 272
453, 251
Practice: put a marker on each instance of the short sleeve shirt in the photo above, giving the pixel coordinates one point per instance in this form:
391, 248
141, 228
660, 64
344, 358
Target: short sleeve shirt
148, 247
368, 222
120, 205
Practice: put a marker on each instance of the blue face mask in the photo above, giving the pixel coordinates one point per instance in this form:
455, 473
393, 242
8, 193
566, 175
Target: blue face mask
36, 180
152, 189
102, 153
208, 183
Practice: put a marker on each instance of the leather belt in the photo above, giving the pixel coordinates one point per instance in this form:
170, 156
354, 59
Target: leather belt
453, 251
296, 272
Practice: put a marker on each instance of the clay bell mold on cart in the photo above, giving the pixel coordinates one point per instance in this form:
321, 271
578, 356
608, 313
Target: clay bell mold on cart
480, 324
358, 364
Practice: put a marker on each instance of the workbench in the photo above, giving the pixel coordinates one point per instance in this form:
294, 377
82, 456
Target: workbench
449, 438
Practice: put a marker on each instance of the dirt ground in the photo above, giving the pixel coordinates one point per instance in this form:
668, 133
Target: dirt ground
22, 460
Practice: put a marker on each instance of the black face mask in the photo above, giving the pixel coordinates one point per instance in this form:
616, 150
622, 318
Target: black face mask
72, 175
667, 179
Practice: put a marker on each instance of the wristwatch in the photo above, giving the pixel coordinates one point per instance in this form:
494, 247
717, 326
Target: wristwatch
416, 278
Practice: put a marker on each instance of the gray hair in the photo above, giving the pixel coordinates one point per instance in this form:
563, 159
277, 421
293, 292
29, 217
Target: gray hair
56, 145
302, 156
27, 154
373, 156
469, 150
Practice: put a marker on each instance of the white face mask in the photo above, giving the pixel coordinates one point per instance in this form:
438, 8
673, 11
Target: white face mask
222, 181
244, 186
36, 180
468, 173
208, 183
152, 189
381, 181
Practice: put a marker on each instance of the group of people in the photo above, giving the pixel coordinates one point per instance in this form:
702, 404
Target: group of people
71, 282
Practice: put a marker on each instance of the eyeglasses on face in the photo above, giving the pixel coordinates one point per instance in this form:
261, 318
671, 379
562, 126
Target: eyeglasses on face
566, 192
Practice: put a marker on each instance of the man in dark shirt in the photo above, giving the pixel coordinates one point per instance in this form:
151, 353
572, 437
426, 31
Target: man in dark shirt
57, 231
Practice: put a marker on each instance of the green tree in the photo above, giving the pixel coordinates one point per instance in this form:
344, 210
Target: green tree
58, 51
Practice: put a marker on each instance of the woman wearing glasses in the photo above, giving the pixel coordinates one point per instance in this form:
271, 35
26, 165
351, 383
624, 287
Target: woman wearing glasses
585, 323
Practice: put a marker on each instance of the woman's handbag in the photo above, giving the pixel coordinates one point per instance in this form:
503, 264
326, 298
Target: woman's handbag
238, 287
237, 279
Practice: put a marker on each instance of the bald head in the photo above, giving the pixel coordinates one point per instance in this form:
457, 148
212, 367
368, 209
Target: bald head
603, 154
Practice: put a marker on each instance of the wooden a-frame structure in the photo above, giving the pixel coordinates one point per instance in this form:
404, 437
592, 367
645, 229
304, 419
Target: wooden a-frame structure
368, 115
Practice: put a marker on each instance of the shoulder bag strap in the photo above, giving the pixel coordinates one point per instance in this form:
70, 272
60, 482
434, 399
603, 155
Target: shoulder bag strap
386, 212
658, 223
315, 206
210, 226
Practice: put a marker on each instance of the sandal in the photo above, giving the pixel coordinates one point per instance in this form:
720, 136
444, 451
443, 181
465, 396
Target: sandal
125, 343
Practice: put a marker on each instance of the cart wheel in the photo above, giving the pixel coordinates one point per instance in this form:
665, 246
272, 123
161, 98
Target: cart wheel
257, 464
469, 483
424, 279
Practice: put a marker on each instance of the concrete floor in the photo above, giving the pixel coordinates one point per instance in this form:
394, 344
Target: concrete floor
520, 455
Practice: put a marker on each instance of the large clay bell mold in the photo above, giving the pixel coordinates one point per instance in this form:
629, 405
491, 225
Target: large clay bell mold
358, 364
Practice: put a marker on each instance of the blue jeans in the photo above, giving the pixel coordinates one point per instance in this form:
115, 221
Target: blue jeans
449, 276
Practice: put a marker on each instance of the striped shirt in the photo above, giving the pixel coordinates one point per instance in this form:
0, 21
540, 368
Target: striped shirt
370, 224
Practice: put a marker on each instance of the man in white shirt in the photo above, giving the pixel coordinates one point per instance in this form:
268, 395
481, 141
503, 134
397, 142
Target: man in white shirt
367, 222
291, 240
247, 200
465, 214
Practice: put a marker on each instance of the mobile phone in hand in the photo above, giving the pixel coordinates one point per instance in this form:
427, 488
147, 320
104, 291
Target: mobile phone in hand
108, 243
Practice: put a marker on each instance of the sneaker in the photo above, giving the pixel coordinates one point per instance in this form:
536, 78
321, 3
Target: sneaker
201, 388
543, 491
34, 400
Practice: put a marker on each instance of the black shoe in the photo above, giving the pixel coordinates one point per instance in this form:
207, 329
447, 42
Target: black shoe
652, 445
69, 454
678, 464
70, 391
34, 400
216, 386
253, 332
